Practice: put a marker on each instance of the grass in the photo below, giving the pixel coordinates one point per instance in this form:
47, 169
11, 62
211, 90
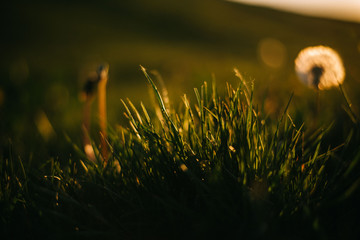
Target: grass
218, 167
245, 161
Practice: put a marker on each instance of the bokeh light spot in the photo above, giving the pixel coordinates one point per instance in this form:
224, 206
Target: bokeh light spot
44, 126
272, 52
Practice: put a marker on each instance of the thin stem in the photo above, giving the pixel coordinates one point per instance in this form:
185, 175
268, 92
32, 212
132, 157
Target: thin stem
103, 77
317, 102
349, 109
89, 151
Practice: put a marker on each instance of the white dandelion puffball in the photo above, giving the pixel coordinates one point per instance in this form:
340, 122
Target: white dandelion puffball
320, 67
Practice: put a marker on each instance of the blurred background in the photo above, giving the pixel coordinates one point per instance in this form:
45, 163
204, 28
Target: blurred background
48, 49
343, 10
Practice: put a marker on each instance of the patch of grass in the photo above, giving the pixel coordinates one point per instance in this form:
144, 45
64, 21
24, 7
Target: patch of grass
216, 168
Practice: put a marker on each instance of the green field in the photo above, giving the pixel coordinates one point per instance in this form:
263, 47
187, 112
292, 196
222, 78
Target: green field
48, 49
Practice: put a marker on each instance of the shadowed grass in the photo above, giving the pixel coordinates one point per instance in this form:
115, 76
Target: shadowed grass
217, 168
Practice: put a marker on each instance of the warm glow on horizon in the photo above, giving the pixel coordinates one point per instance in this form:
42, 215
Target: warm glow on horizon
348, 10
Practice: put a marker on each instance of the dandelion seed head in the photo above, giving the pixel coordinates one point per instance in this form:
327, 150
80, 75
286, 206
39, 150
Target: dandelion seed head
320, 67
103, 70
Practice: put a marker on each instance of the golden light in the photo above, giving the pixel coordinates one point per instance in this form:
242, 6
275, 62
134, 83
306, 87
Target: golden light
320, 67
344, 10
44, 126
89, 151
272, 52
183, 167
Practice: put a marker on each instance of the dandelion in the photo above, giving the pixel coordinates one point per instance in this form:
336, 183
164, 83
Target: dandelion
320, 67
97, 81
103, 71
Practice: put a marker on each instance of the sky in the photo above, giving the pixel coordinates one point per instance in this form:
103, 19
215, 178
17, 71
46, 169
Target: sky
348, 10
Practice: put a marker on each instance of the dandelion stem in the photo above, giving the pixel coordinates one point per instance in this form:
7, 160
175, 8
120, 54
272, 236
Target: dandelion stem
88, 92
89, 151
103, 78
317, 106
